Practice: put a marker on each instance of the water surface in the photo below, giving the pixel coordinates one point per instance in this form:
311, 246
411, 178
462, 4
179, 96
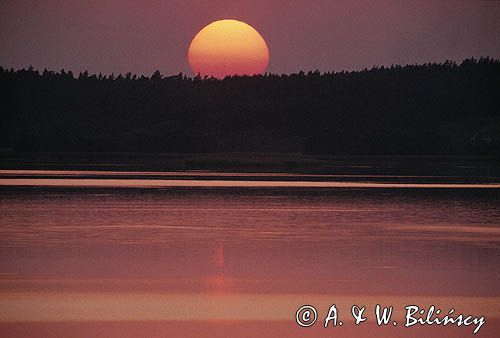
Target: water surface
118, 254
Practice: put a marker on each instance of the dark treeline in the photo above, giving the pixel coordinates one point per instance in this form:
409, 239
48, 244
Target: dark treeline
443, 108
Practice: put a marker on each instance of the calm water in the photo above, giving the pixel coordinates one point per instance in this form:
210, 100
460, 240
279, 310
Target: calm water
113, 254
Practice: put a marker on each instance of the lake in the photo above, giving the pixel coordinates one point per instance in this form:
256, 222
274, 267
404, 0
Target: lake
110, 253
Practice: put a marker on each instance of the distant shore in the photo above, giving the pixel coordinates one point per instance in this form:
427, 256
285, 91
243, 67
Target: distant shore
440, 109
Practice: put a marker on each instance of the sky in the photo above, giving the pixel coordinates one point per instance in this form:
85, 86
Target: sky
120, 36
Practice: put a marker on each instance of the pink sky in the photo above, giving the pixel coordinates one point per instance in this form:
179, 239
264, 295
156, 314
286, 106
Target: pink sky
141, 36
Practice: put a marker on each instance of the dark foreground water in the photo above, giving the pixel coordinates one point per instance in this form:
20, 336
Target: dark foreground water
206, 254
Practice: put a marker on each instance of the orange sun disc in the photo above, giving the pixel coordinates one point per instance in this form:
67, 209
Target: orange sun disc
228, 47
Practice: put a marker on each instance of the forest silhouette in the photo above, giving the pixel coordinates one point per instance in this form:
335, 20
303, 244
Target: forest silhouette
444, 108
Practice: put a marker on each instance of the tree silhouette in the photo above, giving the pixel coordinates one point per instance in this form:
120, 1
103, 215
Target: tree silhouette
445, 108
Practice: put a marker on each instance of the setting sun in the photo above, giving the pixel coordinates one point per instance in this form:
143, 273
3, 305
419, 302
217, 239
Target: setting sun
228, 47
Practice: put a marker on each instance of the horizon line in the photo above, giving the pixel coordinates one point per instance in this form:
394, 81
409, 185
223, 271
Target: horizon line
303, 72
